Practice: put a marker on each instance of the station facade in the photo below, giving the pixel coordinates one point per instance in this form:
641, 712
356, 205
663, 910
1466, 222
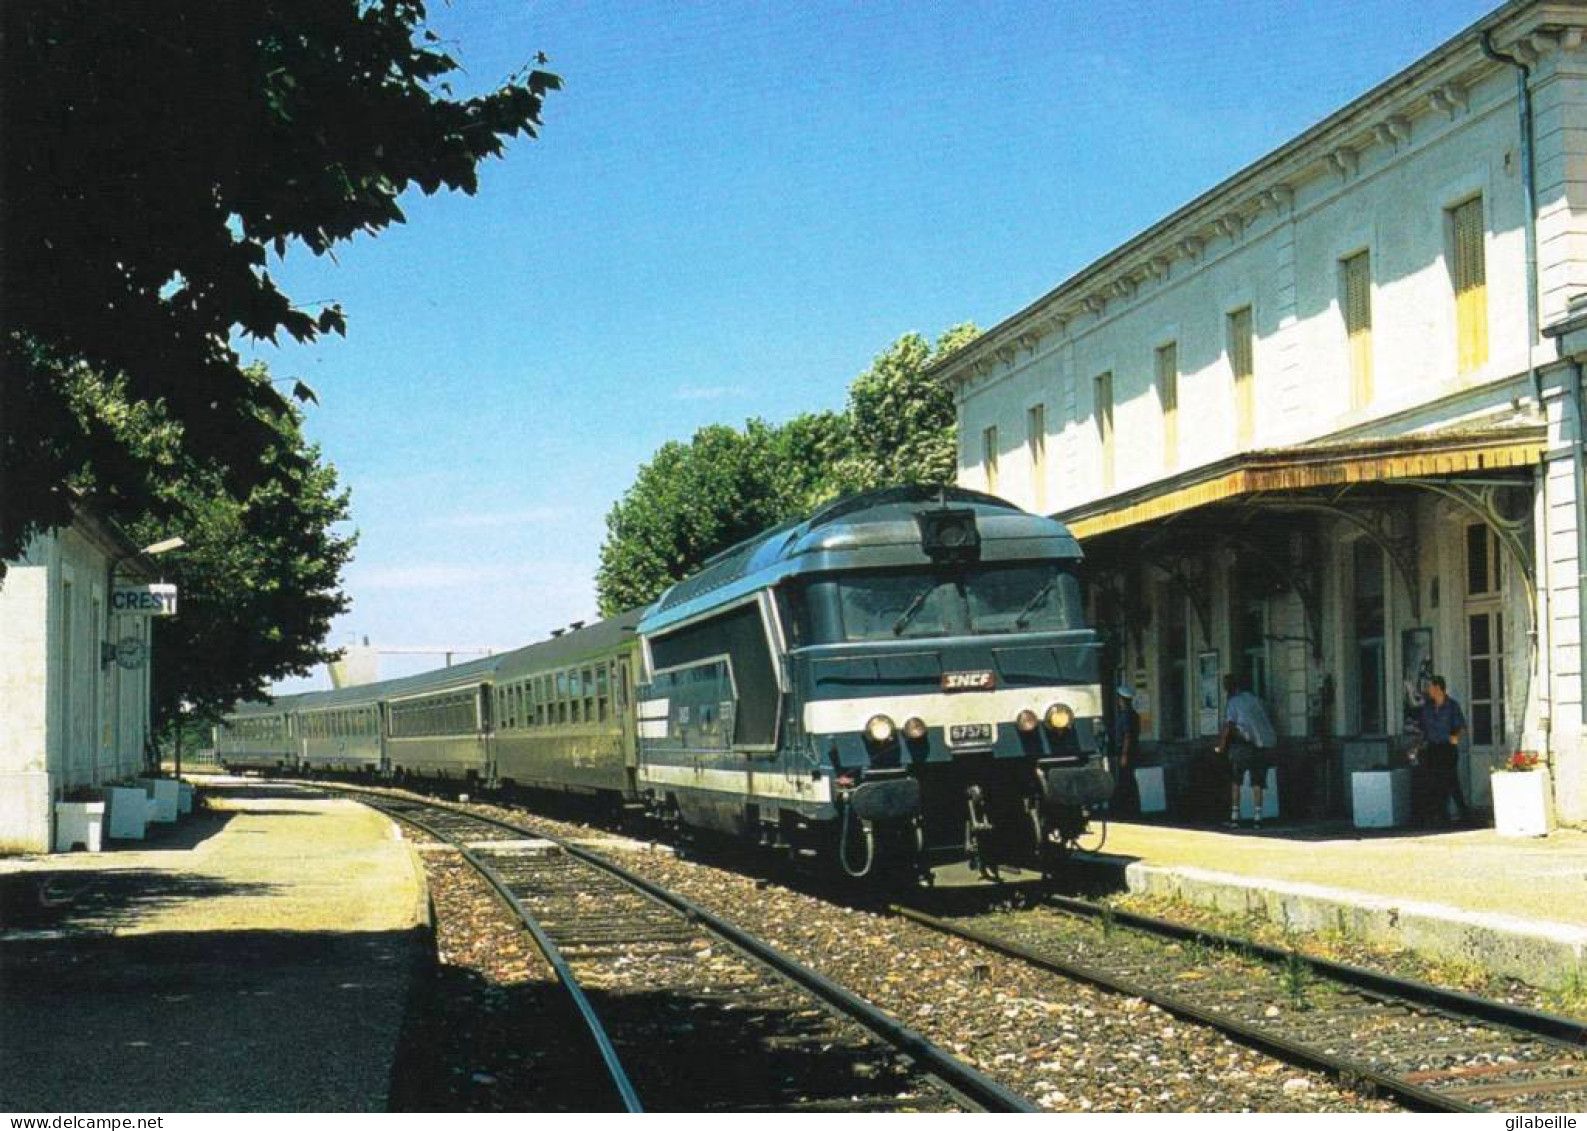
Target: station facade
74, 675
1321, 427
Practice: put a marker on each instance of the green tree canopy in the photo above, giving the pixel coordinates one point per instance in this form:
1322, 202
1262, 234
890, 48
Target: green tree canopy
155, 156
694, 500
260, 575
903, 421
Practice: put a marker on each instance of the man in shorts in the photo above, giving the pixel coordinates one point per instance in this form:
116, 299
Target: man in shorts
1248, 738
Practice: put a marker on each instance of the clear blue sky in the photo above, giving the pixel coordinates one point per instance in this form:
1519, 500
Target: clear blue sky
732, 208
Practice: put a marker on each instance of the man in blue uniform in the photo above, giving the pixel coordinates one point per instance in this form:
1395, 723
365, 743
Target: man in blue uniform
1441, 723
1126, 744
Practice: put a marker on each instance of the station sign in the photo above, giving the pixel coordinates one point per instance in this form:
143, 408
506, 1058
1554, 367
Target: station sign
157, 599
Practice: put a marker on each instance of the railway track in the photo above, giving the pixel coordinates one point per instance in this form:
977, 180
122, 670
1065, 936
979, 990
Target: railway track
685, 1010
1429, 1048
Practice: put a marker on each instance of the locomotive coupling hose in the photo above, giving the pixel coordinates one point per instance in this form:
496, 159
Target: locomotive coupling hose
864, 870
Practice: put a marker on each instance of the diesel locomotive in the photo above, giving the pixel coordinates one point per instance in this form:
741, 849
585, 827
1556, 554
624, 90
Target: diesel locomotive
904, 677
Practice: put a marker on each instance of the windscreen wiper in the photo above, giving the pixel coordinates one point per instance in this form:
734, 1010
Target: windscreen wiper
1035, 602
913, 608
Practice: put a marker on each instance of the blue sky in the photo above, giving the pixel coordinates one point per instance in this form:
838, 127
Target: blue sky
732, 208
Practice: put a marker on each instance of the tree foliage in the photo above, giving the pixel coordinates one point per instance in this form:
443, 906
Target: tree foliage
260, 576
156, 155
695, 499
903, 420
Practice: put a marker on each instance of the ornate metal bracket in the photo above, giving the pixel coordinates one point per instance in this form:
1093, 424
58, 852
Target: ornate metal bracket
1485, 499
1377, 524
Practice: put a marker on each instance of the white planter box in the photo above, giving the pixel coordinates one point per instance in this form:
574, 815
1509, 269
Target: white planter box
1269, 797
1520, 803
129, 812
164, 793
1380, 799
79, 822
1154, 795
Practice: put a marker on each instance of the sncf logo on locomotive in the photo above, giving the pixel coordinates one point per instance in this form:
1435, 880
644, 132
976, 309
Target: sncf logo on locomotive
968, 681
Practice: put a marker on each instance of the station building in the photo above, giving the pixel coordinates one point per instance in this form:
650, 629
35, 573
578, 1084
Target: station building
74, 675
1322, 426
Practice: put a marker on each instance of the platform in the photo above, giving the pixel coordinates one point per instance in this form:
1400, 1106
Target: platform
1514, 907
259, 956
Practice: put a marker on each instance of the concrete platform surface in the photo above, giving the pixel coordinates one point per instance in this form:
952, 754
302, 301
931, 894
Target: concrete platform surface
1516, 907
260, 955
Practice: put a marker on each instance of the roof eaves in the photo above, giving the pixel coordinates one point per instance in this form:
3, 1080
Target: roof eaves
1459, 52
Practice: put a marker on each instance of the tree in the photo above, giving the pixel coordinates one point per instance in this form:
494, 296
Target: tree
902, 419
155, 156
694, 500
260, 576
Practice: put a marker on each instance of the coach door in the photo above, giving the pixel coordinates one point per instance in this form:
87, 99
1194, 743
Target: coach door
623, 696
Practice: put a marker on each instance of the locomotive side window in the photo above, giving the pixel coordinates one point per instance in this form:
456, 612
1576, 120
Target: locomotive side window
739, 634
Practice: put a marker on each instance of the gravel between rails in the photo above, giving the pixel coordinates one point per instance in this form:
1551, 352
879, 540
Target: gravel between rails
495, 1035
709, 1029
1066, 1046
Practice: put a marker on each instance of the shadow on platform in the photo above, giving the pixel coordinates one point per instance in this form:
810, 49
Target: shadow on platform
205, 1021
103, 899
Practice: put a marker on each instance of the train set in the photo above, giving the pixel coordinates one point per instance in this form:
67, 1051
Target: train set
905, 677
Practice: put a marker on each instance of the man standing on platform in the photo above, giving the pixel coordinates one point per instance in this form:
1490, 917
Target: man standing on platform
1248, 738
1126, 743
1441, 723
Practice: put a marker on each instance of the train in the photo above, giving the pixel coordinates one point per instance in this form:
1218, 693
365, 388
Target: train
904, 677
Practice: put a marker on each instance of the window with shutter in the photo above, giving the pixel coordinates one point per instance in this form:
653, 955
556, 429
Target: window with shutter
1356, 285
1036, 442
1104, 412
1242, 366
989, 458
1469, 271
1168, 401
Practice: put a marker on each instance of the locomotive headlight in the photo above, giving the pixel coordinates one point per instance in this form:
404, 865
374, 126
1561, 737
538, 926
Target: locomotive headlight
1026, 721
1060, 717
880, 730
914, 729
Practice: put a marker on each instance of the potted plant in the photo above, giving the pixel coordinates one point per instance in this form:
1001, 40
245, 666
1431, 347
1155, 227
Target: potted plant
80, 819
1521, 796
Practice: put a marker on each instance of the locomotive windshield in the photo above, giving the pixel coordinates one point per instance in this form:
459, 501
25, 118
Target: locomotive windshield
911, 604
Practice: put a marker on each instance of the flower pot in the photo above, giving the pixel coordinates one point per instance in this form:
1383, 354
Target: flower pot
79, 822
1149, 783
164, 792
129, 812
1380, 799
1521, 803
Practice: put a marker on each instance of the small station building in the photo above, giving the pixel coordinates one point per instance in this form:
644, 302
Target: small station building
1322, 426
75, 652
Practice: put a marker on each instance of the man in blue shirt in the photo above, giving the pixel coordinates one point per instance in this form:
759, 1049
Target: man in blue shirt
1441, 723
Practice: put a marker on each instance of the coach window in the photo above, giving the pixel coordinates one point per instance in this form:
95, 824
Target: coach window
589, 695
602, 690
562, 697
